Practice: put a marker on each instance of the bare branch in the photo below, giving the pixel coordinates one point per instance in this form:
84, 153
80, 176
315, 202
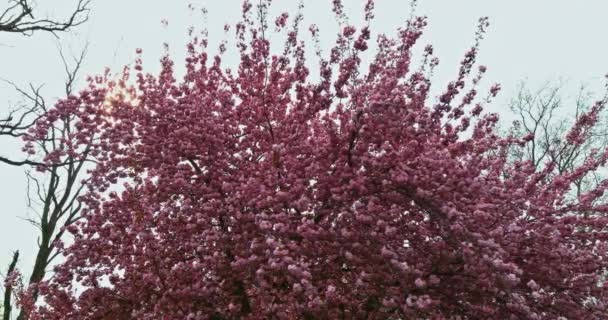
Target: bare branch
71, 72
18, 17
55, 190
537, 113
19, 163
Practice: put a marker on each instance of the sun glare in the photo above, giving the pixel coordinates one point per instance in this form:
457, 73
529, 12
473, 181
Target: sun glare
119, 94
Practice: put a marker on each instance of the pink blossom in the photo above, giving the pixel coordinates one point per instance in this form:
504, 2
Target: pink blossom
268, 193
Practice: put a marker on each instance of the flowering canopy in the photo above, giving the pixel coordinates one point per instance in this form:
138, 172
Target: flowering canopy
260, 193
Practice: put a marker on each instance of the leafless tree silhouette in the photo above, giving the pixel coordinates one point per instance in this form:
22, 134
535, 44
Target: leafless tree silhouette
20, 16
52, 190
544, 113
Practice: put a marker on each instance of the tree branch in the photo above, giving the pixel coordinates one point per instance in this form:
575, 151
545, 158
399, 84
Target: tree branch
8, 290
18, 17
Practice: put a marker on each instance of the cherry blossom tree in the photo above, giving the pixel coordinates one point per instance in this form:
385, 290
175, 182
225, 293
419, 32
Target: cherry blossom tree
264, 192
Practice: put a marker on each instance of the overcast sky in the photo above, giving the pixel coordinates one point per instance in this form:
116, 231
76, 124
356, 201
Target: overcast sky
537, 40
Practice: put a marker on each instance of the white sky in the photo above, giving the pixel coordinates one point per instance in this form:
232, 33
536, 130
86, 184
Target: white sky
535, 39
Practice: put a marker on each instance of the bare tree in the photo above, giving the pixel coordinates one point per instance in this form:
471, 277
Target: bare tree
20, 17
52, 192
547, 113
20, 119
